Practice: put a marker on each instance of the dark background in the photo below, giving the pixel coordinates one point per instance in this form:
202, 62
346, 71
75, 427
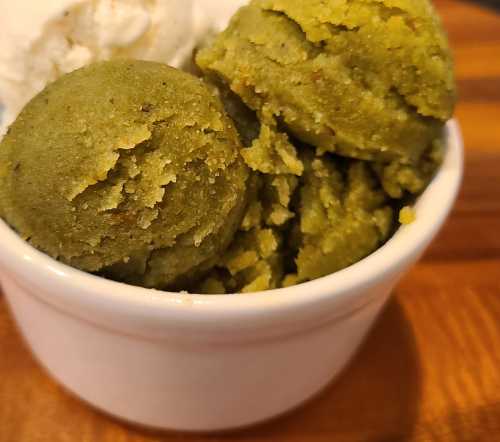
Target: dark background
494, 4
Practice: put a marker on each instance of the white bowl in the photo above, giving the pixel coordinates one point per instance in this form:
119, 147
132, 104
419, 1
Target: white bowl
205, 363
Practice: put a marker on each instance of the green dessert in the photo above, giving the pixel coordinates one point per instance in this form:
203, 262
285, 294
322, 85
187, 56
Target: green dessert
370, 80
134, 171
351, 98
127, 168
301, 228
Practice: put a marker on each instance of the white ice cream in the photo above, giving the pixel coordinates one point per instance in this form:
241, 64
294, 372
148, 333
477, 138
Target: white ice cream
42, 39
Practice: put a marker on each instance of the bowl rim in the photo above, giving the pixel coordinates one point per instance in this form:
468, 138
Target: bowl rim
432, 207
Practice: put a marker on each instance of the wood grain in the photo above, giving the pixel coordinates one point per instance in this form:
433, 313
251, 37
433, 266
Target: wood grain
431, 369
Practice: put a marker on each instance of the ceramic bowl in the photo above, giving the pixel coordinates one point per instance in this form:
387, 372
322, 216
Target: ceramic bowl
205, 363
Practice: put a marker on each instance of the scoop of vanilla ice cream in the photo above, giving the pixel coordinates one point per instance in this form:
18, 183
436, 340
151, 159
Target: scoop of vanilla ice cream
42, 40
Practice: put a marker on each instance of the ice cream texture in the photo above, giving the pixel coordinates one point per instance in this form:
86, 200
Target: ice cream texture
126, 168
370, 80
336, 110
297, 229
351, 98
42, 40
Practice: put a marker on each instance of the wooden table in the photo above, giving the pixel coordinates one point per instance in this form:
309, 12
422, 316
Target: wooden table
431, 369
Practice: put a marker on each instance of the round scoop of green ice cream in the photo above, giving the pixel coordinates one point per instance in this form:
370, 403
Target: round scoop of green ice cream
368, 79
127, 168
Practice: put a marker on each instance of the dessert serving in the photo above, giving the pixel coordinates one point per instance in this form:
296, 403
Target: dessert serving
127, 168
311, 128
292, 159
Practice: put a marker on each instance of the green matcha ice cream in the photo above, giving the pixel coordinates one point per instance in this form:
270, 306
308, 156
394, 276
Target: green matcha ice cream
301, 228
131, 169
367, 79
351, 98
